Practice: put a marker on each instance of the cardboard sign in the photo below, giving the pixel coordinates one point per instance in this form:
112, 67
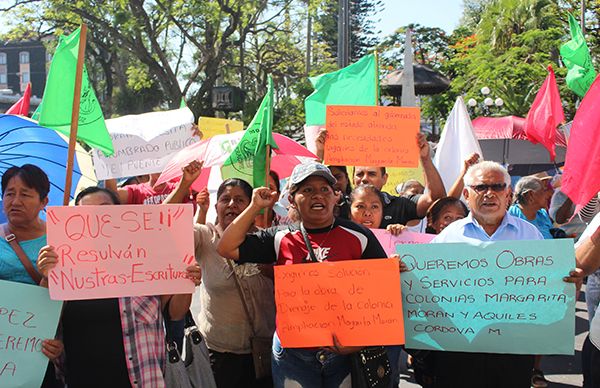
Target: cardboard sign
357, 300
27, 317
211, 126
397, 175
499, 297
144, 143
389, 242
125, 250
372, 136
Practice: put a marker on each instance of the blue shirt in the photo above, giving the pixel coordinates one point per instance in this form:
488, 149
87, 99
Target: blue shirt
11, 267
468, 230
542, 220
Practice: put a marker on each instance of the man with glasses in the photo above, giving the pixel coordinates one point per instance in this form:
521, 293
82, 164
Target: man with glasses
487, 192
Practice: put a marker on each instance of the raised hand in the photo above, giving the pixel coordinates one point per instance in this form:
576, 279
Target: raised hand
263, 197
191, 171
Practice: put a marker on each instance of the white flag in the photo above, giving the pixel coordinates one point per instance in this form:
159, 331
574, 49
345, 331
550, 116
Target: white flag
457, 143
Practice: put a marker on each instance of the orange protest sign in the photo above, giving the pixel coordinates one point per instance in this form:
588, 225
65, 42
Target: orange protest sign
357, 300
382, 136
125, 250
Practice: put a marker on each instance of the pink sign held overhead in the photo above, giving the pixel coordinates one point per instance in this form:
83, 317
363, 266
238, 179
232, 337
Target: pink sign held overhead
115, 251
388, 241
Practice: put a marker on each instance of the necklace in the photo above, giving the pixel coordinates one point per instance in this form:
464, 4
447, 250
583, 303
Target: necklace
322, 252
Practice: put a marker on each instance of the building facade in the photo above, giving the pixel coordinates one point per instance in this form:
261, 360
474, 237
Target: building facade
21, 63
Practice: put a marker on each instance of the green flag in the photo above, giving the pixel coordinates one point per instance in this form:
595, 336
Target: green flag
248, 159
576, 57
57, 102
356, 84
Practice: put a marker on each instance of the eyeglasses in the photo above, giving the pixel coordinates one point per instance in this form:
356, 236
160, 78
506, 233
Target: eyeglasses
483, 188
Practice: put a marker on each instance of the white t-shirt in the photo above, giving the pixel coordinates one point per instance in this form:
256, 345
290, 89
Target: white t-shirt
595, 324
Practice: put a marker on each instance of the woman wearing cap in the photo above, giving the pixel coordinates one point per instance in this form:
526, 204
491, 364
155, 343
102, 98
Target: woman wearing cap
312, 194
531, 199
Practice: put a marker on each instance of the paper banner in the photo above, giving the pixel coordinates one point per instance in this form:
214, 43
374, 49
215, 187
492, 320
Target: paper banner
381, 136
397, 175
500, 297
144, 143
125, 250
389, 242
211, 126
357, 300
27, 317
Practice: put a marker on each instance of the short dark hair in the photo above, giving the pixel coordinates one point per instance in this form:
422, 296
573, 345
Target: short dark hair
275, 177
344, 171
365, 189
95, 189
235, 182
33, 177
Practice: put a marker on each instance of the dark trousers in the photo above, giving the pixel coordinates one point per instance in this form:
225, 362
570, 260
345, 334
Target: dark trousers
591, 365
236, 371
482, 370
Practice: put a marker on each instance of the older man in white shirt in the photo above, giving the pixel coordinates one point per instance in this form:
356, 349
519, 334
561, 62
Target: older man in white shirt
487, 191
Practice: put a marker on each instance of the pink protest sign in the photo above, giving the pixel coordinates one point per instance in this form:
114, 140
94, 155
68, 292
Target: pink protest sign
388, 241
115, 251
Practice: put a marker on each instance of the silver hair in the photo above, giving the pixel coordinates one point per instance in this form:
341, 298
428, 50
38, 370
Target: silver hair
484, 167
524, 185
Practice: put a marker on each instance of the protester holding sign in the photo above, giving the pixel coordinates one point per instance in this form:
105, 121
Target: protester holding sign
24, 195
116, 342
400, 210
312, 194
487, 191
224, 317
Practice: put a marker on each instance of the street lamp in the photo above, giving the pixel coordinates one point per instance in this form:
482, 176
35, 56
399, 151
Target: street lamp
487, 104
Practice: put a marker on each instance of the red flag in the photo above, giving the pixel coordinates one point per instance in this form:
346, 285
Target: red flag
581, 180
545, 114
21, 107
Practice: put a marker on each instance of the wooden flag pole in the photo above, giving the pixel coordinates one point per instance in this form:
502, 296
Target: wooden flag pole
267, 171
75, 114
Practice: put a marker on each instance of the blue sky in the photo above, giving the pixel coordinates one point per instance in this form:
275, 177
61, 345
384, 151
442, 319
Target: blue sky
430, 13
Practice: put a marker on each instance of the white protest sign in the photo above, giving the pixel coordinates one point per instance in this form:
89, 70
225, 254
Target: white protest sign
144, 143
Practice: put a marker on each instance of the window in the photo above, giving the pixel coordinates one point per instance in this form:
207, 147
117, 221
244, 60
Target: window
24, 57
2, 58
24, 77
2, 78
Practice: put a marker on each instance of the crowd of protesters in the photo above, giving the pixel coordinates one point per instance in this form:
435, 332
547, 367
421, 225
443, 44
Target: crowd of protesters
120, 342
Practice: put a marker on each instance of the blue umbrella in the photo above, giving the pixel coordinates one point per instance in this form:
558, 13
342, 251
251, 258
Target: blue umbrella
23, 141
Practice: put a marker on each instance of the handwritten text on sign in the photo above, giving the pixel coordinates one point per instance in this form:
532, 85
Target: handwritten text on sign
389, 242
126, 250
25, 321
144, 143
372, 136
358, 300
500, 297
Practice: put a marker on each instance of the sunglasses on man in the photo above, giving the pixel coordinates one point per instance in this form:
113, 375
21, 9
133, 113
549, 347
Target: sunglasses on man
483, 188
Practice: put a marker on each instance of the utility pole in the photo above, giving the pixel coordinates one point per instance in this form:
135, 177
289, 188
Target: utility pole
343, 48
